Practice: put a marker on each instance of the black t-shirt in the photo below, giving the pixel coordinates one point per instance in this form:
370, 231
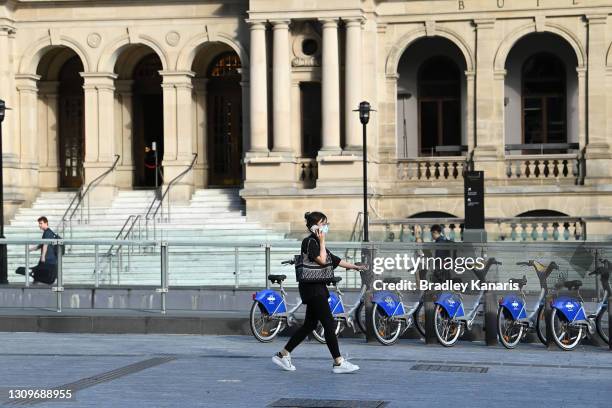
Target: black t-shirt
311, 247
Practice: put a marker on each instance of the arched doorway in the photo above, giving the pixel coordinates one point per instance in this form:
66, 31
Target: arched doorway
224, 120
543, 99
541, 92
431, 99
147, 118
71, 124
62, 126
439, 101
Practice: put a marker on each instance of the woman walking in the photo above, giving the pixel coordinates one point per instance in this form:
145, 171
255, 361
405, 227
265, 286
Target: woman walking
315, 296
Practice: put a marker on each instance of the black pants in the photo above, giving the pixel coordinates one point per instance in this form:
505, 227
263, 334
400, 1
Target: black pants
43, 272
317, 310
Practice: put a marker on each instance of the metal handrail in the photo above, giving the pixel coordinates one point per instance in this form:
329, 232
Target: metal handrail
152, 213
121, 236
81, 194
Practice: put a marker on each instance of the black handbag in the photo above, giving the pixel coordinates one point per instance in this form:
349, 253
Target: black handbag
307, 271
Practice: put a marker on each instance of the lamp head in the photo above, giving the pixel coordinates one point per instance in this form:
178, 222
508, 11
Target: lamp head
364, 112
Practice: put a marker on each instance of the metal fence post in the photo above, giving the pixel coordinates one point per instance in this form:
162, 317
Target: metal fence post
237, 268
430, 325
96, 266
60, 278
27, 265
490, 318
164, 275
267, 264
550, 344
119, 265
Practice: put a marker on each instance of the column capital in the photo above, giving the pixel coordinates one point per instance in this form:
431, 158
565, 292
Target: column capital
177, 78
484, 23
356, 21
256, 24
597, 18
581, 72
329, 22
98, 80
470, 75
281, 23
500, 74
27, 82
6, 29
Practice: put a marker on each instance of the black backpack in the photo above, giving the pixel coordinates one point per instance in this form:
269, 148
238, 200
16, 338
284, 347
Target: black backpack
55, 247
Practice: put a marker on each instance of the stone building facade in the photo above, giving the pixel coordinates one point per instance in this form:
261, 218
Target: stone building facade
264, 92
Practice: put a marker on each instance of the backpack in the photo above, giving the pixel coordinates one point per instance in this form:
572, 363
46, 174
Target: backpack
55, 247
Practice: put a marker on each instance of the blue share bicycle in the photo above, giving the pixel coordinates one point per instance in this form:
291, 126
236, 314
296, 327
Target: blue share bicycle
450, 317
391, 318
569, 320
514, 320
269, 311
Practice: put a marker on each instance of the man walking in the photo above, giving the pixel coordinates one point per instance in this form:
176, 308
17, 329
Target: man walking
46, 270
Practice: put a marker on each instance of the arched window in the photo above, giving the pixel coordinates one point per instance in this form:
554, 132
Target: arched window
544, 99
439, 94
225, 65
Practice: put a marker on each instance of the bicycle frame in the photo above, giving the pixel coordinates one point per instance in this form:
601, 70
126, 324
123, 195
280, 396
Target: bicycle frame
393, 306
276, 304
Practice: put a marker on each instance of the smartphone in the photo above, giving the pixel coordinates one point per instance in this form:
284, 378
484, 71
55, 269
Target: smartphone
314, 228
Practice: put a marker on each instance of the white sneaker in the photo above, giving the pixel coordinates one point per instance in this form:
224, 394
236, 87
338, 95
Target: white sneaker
345, 367
283, 362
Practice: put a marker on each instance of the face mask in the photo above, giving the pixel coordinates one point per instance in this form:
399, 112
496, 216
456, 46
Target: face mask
325, 229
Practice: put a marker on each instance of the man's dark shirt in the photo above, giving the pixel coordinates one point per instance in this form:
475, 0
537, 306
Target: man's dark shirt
312, 248
50, 258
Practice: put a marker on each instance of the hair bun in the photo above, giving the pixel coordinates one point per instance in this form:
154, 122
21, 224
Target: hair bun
306, 214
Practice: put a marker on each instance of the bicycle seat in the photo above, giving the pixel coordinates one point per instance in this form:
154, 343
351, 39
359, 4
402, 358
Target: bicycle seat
392, 280
519, 281
334, 281
573, 284
277, 278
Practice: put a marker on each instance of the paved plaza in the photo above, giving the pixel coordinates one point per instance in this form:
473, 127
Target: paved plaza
236, 371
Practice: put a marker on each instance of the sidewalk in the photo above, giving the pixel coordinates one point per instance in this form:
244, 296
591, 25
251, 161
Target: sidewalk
236, 371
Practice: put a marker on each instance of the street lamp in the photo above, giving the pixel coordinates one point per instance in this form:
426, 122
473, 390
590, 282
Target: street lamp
3, 260
364, 117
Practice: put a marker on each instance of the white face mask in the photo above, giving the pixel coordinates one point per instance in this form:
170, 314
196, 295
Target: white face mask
325, 228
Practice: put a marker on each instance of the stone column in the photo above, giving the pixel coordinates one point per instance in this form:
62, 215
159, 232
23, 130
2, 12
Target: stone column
469, 79
28, 134
258, 89
125, 170
353, 84
100, 148
281, 88
200, 173
330, 93
48, 131
598, 148
178, 132
489, 114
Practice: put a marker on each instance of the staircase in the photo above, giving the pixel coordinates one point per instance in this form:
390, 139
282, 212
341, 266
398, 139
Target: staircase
210, 215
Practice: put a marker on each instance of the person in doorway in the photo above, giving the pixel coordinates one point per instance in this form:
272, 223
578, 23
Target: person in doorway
441, 274
46, 270
315, 296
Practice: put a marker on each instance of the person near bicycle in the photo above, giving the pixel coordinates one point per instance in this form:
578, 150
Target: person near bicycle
315, 296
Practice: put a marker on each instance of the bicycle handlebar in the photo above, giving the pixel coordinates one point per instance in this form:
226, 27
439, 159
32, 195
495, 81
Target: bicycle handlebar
524, 263
289, 262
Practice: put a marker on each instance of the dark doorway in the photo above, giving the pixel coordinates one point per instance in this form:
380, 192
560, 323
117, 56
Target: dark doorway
71, 124
148, 122
311, 118
544, 103
439, 93
225, 121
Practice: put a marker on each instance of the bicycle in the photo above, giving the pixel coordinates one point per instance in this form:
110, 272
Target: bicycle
568, 319
449, 314
514, 321
269, 311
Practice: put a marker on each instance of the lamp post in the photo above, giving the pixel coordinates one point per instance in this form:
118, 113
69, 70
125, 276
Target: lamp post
364, 117
3, 260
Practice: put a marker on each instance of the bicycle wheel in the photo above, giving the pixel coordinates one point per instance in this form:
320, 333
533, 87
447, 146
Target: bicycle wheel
602, 324
387, 329
510, 331
263, 326
360, 317
419, 319
448, 330
566, 335
319, 332
541, 325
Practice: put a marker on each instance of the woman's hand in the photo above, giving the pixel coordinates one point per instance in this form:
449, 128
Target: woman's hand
320, 235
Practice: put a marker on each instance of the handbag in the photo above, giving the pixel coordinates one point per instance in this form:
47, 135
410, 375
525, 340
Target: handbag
307, 271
